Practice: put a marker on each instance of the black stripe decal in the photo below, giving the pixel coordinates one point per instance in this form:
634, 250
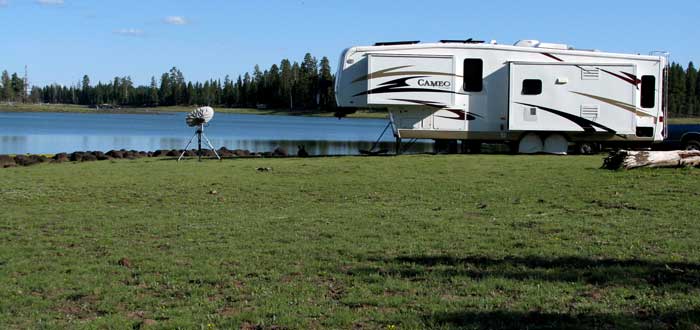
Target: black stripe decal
587, 125
634, 81
552, 57
461, 115
401, 86
426, 103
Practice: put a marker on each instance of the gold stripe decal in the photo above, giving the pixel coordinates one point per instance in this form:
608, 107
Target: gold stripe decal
619, 104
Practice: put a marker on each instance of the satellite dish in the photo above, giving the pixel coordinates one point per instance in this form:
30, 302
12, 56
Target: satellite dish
200, 116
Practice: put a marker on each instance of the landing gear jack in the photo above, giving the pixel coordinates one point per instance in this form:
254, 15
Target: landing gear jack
398, 146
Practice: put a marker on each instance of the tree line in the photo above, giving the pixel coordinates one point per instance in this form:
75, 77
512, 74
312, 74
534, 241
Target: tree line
683, 91
308, 85
295, 86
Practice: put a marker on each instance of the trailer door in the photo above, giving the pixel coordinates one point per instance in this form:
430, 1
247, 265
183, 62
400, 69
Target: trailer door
563, 97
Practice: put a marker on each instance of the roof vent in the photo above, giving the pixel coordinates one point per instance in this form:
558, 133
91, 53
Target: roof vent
527, 43
394, 43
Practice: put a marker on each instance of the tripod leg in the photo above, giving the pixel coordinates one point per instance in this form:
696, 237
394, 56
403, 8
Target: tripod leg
199, 145
211, 146
187, 146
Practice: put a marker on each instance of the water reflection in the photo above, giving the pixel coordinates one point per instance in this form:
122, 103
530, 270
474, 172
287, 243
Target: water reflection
54, 144
22, 133
13, 143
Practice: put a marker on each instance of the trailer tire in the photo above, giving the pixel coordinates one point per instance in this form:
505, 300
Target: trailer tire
691, 144
556, 144
530, 143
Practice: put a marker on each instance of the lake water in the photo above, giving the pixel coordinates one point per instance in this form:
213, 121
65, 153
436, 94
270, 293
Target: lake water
49, 133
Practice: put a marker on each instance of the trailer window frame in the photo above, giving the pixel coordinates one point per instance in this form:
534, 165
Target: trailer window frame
532, 87
648, 92
473, 75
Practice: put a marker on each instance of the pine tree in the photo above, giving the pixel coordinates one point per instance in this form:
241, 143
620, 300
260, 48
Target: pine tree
75, 97
165, 92
247, 91
206, 96
17, 87
297, 90
85, 90
325, 86
240, 100
691, 78
677, 90
116, 90
697, 95
126, 88
35, 96
309, 81
6, 93
191, 94
153, 92
286, 83
273, 81
177, 85
228, 97
257, 86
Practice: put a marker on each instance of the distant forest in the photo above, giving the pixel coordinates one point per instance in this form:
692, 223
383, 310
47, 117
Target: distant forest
296, 86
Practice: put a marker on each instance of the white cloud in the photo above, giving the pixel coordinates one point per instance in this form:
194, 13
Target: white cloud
129, 32
50, 2
176, 20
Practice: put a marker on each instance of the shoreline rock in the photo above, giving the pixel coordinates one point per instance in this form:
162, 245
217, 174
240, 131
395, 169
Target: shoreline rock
90, 156
7, 161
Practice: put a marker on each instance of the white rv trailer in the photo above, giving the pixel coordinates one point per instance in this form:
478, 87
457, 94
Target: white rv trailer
535, 96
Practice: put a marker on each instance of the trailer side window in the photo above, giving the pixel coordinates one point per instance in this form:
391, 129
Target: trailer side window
532, 87
648, 91
473, 75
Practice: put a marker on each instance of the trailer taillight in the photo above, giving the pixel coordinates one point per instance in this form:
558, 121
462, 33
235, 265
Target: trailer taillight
661, 119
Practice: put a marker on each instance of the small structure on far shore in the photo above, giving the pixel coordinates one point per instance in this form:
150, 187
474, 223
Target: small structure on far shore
105, 107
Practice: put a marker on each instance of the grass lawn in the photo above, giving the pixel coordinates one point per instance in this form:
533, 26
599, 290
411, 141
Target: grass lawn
410, 242
84, 109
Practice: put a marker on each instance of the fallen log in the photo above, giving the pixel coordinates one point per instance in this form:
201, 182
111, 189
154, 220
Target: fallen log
628, 159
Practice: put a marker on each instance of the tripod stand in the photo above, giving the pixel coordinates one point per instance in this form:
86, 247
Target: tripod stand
199, 134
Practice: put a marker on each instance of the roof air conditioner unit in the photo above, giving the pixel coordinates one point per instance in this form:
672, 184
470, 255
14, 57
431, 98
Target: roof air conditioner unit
527, 43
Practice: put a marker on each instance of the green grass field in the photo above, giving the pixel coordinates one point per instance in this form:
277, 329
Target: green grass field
410, 242
84, 109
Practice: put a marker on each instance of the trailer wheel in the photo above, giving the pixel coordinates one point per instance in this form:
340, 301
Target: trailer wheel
556, 144
691, 145
530, 143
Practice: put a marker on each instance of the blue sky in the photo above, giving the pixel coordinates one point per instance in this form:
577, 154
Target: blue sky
61, 40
